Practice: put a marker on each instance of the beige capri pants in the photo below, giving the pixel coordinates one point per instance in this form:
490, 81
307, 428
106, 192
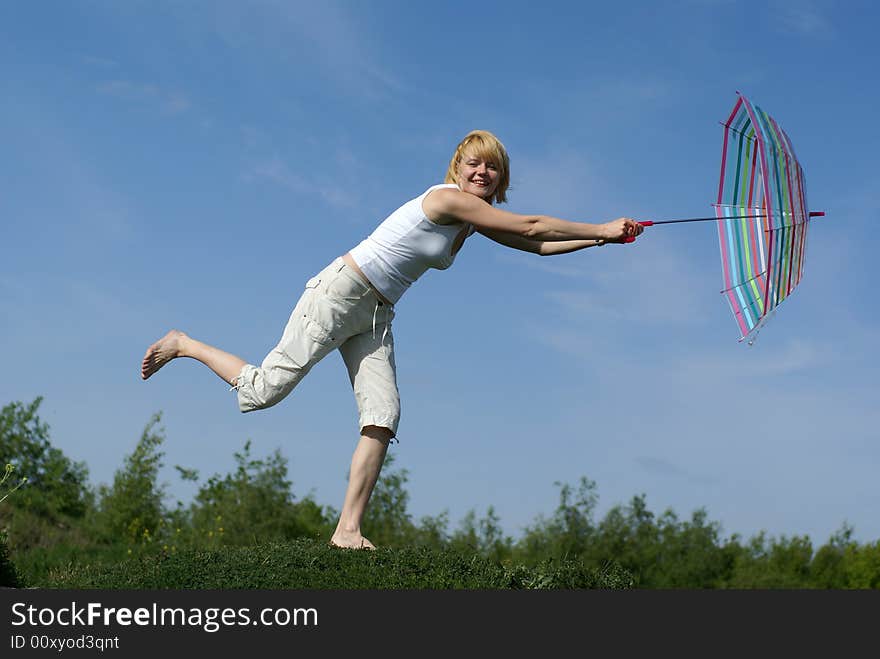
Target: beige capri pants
337, 310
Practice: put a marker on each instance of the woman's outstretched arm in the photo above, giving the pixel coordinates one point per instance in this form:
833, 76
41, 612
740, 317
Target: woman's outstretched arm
540, 247
449, 205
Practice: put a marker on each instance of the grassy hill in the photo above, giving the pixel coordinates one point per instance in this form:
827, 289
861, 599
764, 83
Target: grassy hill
309, 564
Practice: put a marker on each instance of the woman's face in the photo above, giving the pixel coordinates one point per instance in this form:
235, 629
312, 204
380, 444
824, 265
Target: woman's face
478, 176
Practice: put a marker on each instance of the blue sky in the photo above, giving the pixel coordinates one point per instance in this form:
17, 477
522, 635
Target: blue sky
191, 164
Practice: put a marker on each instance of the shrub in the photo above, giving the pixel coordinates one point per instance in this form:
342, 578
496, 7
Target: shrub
57, 487
131, 510
8, 575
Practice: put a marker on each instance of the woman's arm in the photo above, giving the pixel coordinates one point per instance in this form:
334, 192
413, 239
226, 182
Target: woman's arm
448, 205
540, 247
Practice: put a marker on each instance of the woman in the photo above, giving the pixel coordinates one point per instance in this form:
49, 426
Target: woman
350, 304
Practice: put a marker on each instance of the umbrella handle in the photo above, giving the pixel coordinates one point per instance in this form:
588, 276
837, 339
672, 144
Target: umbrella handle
646, 223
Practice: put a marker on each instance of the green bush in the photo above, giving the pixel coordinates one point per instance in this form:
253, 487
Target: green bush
57, 486
252, 505
8, 574
131, 510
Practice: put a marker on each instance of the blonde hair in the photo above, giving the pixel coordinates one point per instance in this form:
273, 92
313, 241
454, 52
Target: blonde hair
483, 144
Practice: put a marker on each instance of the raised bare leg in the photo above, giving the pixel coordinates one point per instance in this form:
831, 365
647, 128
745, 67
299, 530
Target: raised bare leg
177, 344
366, 463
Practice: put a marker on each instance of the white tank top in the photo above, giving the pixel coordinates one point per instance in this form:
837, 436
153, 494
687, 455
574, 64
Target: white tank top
405, 245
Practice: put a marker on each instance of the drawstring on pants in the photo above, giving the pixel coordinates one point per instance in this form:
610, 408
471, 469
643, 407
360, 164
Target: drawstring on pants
385, 332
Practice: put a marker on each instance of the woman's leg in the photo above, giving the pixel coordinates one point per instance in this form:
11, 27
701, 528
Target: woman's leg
369, 357
177, 344
366, 463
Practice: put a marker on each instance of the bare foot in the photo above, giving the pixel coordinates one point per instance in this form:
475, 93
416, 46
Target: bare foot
350, 541
162, 352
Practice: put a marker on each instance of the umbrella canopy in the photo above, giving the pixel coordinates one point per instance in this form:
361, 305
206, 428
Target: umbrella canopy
762, 182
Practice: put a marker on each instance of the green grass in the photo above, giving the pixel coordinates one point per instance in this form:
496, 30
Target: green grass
309, 564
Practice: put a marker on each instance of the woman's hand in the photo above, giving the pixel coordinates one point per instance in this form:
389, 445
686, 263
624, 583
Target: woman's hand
617, 231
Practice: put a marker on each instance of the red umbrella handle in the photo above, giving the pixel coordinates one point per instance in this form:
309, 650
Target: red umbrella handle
632, 239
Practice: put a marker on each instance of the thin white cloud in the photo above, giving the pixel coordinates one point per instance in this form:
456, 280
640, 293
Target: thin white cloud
96, 212
657, 285
803, 18
100, 62
789, 357
83, 303
666, 468
637, 90
320, 36
612, 104
273, 169
148, 95
338, 198
340, 47
560, 181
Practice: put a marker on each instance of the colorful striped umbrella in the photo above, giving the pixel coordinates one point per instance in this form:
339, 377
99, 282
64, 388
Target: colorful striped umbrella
762, 216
